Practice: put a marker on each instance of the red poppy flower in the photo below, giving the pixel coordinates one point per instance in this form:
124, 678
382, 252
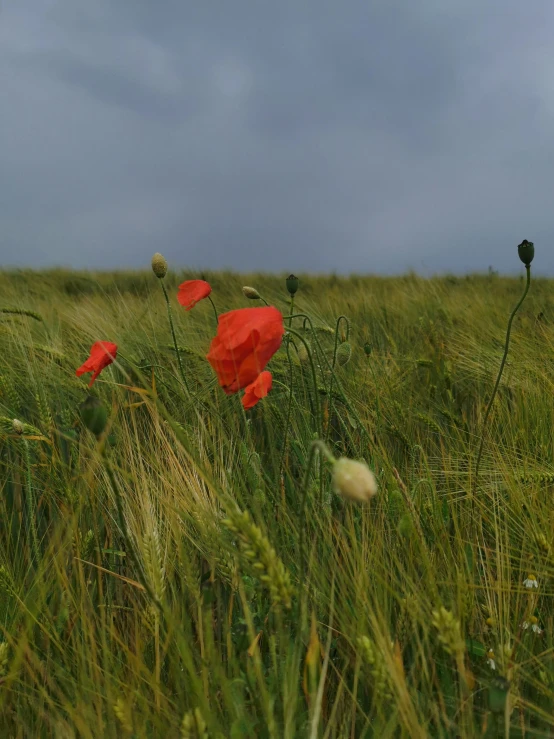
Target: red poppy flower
257, 389
102, 353
246, 340
191, 291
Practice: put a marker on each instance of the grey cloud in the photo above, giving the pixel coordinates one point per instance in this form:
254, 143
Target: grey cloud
290, 136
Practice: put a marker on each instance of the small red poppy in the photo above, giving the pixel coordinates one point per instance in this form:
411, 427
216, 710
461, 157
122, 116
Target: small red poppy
192, 291
102, 353
246, 340
257, 389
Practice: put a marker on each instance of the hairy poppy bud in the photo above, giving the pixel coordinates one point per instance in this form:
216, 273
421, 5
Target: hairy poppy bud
93, 415
354, 480
292, 285
344, 352
526, 251
251, 293
17, 427
367, 348
159, 265
303, 355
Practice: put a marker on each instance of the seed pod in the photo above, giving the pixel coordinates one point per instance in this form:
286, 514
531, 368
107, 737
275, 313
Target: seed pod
292, 285
159, 265
93, 415
344, 352
367, 348
526, 251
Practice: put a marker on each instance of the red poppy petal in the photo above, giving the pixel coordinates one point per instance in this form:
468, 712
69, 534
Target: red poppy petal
102, 354
257, 390
192, 291
245, 342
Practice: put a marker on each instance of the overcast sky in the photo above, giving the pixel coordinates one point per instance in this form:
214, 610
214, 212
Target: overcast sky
292, 135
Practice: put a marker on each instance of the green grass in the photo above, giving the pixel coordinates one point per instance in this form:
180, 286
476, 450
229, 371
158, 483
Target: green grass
179, 616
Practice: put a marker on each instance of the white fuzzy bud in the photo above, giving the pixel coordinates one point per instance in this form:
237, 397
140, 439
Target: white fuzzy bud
354, 480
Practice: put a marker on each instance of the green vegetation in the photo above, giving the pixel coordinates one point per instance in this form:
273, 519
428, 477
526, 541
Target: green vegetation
191, 572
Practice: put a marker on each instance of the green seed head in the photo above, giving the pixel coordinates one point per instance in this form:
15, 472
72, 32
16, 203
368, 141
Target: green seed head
526, 251
292, 285
159, 265
93, 415
17, 427
367, 348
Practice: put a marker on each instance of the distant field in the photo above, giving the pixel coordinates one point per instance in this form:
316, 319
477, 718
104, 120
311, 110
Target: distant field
191, 570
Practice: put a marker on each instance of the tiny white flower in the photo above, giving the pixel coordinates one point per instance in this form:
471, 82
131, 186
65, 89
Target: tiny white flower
490, 660
531, 582
532, 624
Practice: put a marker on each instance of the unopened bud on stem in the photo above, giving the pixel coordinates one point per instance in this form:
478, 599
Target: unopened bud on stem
251, 293
159, 265
354, 480
344, 352
94, 415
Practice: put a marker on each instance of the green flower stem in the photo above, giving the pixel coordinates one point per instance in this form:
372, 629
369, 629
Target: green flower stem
315, 446
291, 312
215, 311
174, 337
339, 319
289, 408
336, 379
31, 505
377, 403
314, 379
506, 347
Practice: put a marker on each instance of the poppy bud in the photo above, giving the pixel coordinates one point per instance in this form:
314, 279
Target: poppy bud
526, 251
251, 293
93, 415
303, 355
17, 427
367, 348
159, 265
354, 480
344, 352
292, 285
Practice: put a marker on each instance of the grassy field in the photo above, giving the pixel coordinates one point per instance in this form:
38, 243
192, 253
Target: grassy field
192, 572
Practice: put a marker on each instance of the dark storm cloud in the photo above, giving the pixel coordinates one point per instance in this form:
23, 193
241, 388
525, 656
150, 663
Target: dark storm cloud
306, 135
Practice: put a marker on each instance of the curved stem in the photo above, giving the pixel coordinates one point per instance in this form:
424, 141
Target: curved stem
506, 347
337, 327
215, 310
174, 337
314, 379
333, 375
